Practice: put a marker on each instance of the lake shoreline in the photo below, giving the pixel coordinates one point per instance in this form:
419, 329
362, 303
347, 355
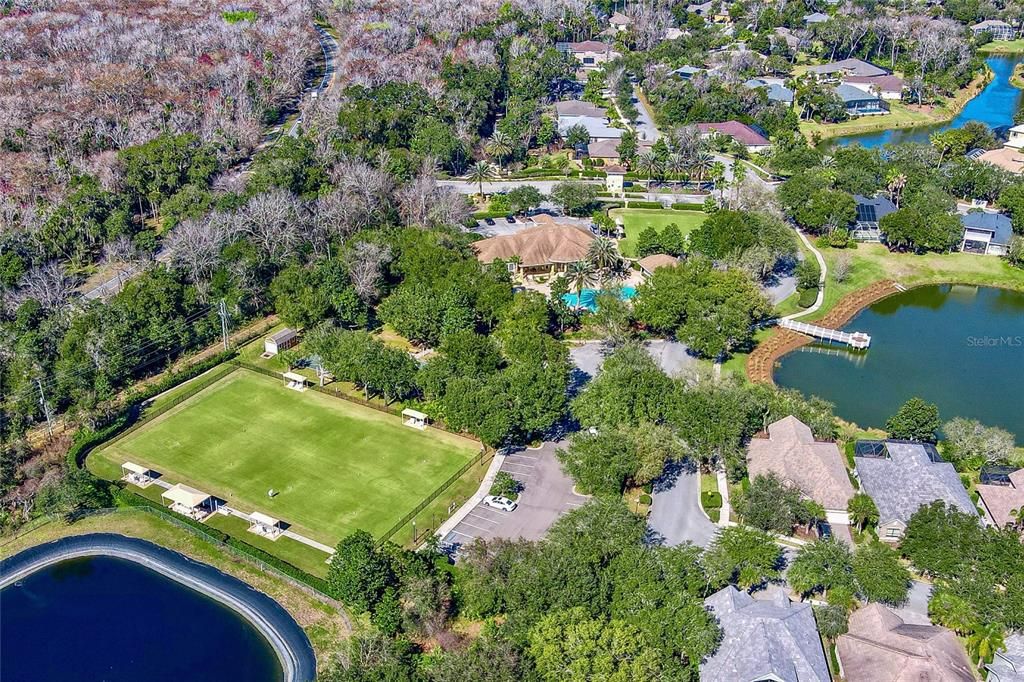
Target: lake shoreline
289, 642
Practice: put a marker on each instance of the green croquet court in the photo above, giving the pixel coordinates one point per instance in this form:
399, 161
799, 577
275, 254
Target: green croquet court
336, 466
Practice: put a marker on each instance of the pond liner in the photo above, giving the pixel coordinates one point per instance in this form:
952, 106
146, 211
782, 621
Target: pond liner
274, 623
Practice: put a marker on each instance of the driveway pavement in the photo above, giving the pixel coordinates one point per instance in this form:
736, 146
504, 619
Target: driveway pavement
675, 514
673, 357
547, 494
646, 131
915, 611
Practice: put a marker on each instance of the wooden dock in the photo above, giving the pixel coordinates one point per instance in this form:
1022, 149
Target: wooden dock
852, 339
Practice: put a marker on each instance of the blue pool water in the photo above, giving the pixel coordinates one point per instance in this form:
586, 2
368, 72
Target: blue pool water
994, 106
588, 298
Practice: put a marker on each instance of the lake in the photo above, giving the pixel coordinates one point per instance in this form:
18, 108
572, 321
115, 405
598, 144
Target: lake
103, 618
993, 106
960, 347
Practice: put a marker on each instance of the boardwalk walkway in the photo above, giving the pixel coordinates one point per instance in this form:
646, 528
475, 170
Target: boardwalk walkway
852, 339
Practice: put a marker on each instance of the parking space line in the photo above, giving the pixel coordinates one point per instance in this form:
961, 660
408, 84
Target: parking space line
467, 523
528, 467
482, 518
508, 457
465, 535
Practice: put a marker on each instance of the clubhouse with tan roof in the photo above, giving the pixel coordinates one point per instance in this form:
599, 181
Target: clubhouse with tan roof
546, 249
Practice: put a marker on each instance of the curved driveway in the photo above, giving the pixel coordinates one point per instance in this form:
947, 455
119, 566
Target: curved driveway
285, 636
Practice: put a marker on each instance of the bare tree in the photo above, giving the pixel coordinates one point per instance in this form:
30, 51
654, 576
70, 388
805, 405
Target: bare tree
365, 262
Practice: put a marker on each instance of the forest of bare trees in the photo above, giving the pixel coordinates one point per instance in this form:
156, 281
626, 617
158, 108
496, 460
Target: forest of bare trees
80, 79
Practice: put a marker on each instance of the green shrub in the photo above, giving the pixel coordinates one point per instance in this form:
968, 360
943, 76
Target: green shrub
593, 173
644, 204
711, 499
807, 298
646, 499
714, 514
506, 486
649, 488
688, 207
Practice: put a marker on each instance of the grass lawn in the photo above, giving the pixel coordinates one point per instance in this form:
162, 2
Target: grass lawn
636, 220
323, 624
1003, 47
874, 262
336, 465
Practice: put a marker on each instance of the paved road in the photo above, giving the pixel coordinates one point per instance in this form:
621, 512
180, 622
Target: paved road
545, 187
646, 131
547, 494
915, 611
329, 46
676, 515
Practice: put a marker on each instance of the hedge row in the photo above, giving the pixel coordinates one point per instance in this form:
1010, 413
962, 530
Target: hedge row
688, 207
126, 498
645, 204
711, 499
482, 215
807, 298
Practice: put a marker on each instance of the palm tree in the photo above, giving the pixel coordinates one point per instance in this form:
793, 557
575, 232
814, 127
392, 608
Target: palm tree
895, 182
603, 255
647, 164
499, 146
985, 640
580, 275
675, 165
702, 162
862, 510
480, 172
815, 512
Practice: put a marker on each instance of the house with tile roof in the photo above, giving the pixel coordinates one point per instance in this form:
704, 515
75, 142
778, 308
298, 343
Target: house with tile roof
901, 476
577, 107
848, 67
545, 249
648, 264
880, 647
740, 132
815, 467
1001, 496
764, 640
887, 87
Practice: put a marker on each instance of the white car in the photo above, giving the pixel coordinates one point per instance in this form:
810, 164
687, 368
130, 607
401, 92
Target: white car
502, 503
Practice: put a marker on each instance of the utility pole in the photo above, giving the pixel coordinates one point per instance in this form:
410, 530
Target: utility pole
46, 408
222, 311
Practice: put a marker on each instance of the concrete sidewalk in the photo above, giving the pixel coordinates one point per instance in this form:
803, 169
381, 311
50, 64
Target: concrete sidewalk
485, 487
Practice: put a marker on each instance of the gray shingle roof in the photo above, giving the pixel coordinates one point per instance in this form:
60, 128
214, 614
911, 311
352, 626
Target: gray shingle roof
1008, 666
998, 224
774, 639
907, 479
848, 94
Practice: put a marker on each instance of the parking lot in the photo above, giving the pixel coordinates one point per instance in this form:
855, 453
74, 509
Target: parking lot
547, 494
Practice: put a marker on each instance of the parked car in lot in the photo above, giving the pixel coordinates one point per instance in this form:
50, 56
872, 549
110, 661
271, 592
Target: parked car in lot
489, 221
498, 502
510, 218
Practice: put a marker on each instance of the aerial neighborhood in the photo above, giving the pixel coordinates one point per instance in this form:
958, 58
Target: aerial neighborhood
559, 340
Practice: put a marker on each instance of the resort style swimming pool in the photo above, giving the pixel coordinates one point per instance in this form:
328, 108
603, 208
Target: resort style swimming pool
960, 347
588, 297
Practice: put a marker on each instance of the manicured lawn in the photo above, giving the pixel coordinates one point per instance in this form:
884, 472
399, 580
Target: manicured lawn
899, 116
636, 220
1003, 47
337, 466
874, 262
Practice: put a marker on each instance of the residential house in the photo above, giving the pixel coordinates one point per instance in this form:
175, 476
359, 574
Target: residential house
815, 467
1001, 492
608, 150
901, 476
815, 18
590, 53
869, 211
672, 33
887, 87
1015, 137
777, 92
1006, 157
597, 127
785, 35
880, 647
648, 264
614, 179
711, 10
999, 30
764, 640
752, 139
860, 102
619, 21
847, 67
986, 233
577, 107
545, 249
687, 72
1008, 665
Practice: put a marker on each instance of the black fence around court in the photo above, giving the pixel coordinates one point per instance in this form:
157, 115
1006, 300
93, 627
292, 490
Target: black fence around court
480, 459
